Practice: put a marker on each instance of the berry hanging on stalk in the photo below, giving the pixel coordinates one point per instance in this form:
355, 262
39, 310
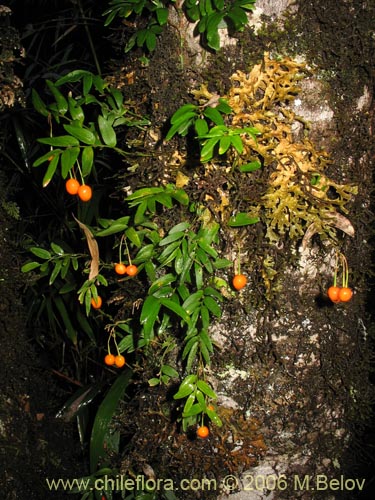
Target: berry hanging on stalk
239, 280
110, 359
120, 268
340, 294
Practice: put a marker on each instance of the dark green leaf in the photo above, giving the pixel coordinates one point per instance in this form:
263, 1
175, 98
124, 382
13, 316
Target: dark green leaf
87, 160
82, 134
162, 15
62, 140
176, 308
107, 132
104, 416
191, 356
62, 103
38, 103
68, 158
50, 170
70, 330
212, 306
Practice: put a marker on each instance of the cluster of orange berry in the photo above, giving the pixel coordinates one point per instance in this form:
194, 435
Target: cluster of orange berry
111, 359
130, 270
83, 191
340, 293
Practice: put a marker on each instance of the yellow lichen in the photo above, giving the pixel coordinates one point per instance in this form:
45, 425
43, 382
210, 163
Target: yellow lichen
299, 194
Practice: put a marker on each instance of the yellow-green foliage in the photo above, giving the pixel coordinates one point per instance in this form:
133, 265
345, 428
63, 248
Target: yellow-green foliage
297, 196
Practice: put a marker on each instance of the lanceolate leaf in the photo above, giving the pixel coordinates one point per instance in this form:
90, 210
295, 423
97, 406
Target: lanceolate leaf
82, 134
50, 170
104, 416
107, 132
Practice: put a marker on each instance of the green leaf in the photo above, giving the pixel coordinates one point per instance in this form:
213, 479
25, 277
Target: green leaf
181, 196
41, 253
115, 226
184, 391
50, 170
192, 302
133, 236
224, 144
242, 219
207, 151
161, 282
201, 127
177, 235
62, 103
191, 356
150, 41
168, 370
87, 160
250, 167
206, 389
181, 127
82, 134
162, 15
68, 158
222, 263
46, 157
72, 77
55, 272
145, 253
29, 266
189, 403
185, 110
38, 103
212, 306
104, 416
75, 110
70, 330
176, 308
224, 107
194, 410
107, 132
62, 140
214, 115
149, 314
237, 143
214, 417
87, 83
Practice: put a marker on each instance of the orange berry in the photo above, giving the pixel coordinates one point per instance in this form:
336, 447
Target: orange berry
131, 270
239, 281
50, 158
211, 407
97, 304
120, 268
119, 361
333, 293
109, 359
203, 431
345, 294
85, 192
72, 186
